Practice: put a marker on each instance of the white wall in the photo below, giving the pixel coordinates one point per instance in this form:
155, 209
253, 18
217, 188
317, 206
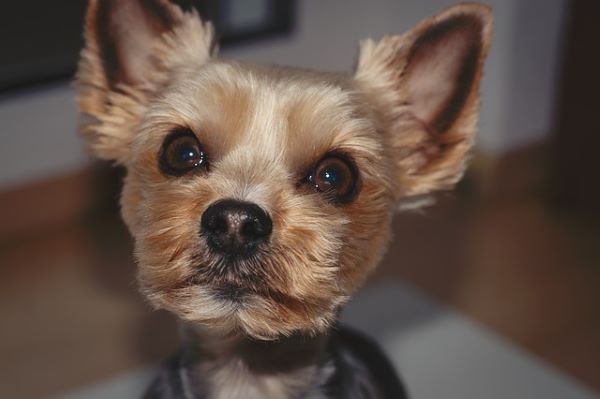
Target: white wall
37, 135
37, 128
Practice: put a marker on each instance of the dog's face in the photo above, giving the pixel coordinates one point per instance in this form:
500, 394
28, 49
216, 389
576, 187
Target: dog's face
260, 197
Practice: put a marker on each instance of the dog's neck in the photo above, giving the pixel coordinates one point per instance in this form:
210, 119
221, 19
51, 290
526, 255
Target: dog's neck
237, 366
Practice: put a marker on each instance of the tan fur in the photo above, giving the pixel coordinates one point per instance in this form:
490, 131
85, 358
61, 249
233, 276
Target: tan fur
263, 128
382, 73
234, 380
114, 112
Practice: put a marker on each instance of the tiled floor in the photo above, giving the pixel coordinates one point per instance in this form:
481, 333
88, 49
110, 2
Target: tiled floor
70, 314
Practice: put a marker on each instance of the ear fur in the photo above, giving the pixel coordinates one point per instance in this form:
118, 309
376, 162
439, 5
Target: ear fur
424, 85
131, 47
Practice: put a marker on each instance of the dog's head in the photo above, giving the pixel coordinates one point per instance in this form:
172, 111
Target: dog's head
260, 197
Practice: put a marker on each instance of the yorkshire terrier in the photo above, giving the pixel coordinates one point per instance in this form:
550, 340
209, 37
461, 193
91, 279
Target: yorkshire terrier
261, 197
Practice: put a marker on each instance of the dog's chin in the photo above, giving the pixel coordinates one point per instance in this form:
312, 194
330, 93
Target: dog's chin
236, 310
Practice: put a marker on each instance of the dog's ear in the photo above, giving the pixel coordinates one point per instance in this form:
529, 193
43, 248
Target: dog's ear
131, 47
424, 85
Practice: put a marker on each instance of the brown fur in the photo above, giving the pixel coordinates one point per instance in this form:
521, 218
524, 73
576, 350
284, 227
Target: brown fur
406, 117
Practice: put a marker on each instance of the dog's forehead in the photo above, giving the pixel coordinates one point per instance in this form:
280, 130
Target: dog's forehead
282, 113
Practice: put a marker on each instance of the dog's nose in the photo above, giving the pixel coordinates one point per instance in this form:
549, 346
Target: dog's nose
234, 227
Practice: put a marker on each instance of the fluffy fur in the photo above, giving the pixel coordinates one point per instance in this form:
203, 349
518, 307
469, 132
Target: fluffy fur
406, 117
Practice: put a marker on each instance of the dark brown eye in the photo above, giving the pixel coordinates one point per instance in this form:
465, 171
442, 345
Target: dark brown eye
336, 177
181, 153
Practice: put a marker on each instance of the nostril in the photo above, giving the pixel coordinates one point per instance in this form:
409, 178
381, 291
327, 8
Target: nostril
250, 228
257, 227
217, 224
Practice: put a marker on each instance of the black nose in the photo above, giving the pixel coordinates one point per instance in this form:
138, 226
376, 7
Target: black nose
234, 227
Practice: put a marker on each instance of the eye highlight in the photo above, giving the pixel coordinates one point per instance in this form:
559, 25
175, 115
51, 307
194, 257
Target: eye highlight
181, 153
336, 176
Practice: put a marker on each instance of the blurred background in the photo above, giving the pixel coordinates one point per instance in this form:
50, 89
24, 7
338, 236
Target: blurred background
516, 248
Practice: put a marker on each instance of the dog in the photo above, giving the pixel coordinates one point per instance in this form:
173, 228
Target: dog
261, 197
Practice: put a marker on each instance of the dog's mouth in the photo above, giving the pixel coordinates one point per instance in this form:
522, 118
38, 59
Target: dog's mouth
229, 282
232, 293
238, 290
232, 276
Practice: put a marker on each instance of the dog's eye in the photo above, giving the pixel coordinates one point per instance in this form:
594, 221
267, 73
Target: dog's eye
181, 153
336, 177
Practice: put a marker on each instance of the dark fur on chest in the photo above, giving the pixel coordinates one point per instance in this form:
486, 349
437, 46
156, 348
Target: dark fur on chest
356, 368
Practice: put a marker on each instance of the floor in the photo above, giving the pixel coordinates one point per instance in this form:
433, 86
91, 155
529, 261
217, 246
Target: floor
505, 257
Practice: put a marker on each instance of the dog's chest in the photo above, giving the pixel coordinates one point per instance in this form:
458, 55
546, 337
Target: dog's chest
234, 380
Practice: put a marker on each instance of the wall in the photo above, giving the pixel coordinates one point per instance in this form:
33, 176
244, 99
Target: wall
38, 127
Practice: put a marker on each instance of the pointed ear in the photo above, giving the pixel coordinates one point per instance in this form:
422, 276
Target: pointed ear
424, 85
131, 46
